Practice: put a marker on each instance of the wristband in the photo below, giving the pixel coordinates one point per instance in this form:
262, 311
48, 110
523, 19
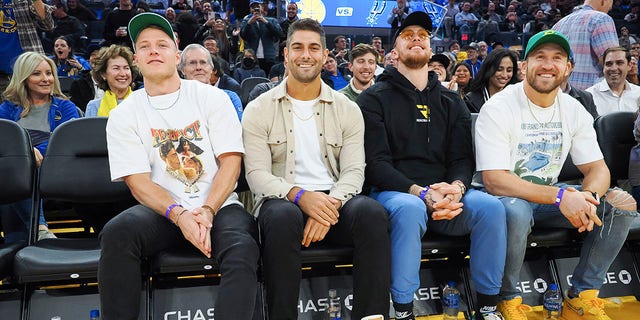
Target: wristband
168, 211
180, 215
559, 197
423, 193
298, 195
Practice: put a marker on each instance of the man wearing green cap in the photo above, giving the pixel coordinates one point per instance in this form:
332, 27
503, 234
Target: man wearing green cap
177, 144
523, 136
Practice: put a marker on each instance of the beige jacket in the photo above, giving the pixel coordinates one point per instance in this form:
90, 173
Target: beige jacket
269, 159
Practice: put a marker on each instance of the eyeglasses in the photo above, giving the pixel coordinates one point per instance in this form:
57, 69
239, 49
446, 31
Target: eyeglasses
409, 34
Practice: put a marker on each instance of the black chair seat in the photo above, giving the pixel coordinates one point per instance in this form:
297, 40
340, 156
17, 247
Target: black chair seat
57, 260
437, 244
183, 260
549, 237
7, 253
325, 253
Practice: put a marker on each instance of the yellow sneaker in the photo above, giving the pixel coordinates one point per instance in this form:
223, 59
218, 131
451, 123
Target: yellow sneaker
587, 306
514, 309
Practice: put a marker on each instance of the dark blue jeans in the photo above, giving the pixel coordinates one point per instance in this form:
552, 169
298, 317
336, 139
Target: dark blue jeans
15, 220
363, 224
139, 232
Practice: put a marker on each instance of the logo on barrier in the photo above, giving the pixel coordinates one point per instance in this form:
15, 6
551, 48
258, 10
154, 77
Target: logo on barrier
623, 277
344, 12
432, 293
198, 314
539, 285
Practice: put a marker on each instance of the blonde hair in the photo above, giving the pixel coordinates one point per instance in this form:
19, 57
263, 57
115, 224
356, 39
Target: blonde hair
17, 91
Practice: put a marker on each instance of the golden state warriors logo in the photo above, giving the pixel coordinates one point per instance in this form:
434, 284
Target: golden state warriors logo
313, 9
8, 24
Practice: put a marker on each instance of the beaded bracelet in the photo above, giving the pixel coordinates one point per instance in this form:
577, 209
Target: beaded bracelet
168, 211
559, 197
298, 195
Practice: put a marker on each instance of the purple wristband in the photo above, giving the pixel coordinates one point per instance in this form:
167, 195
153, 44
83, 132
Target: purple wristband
298, 195
423, 193
559, 197
168, 211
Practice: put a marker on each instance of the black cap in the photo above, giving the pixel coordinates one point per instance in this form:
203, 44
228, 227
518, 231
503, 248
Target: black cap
416, 18
442, 59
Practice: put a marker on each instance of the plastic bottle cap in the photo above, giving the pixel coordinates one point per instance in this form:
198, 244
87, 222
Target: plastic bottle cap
95, 313
451, 284
553, 287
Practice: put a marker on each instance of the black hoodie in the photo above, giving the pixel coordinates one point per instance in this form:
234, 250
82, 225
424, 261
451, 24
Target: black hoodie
415, 137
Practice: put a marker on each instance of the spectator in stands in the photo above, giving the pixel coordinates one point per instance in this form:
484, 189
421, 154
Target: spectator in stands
585, 98
25, 16
362, 64
538, 24
277, 71
376, 42
633, 15
261, 34
500, 9
181, 5
340, 50
186, 26
390, 59
483, 50
465, 18
449, 20
205, 14
142, 7
338, 76
248, 67
34, 100
420, 185
590, 31
222, 80
462, 77
454, 47
292, 16
439, 64
67, 63
635, 49
170, 15
614, 93
497, 72
114, 73
211, 44
85, 88
472, 58
632, 75
521, 166
116, 23
176, 207
553, 9
196, 63
320, 202
625, 38
518, 8
78, 10
65, 25
396, 16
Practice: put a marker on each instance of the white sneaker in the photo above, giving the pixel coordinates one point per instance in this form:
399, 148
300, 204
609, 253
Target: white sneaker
45, 234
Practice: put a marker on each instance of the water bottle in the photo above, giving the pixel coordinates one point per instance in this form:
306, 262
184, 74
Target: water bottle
552, 303
450, 301
94, 314
335, 307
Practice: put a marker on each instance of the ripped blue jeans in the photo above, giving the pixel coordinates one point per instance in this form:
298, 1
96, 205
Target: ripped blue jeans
599, 249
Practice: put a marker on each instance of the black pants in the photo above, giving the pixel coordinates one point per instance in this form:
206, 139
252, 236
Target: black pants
363, 224
139, 232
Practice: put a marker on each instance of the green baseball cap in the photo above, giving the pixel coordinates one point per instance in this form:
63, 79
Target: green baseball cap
142, 21
548, 36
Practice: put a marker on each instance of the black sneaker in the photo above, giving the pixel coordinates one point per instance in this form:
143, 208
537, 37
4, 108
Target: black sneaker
405, 315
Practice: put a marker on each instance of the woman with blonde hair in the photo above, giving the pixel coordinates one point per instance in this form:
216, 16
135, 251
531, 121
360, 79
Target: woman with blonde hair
34, 100
114, 73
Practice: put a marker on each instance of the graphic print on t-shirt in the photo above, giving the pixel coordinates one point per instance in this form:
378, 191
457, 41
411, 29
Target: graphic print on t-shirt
539, 153
181, 155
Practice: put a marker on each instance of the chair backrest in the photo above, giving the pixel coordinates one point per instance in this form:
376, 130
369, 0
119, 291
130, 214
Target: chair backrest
247, 85
17, 163
65, 84
76, 166
615, 137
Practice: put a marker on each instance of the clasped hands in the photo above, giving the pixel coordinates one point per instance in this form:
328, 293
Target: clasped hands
195, 226
443, 200
580, 208
322, 210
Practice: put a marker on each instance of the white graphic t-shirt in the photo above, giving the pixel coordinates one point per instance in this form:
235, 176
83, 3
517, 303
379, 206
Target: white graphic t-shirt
514, 134
176, 137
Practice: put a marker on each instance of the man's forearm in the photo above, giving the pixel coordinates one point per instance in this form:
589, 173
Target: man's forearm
225, 180
505, 183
